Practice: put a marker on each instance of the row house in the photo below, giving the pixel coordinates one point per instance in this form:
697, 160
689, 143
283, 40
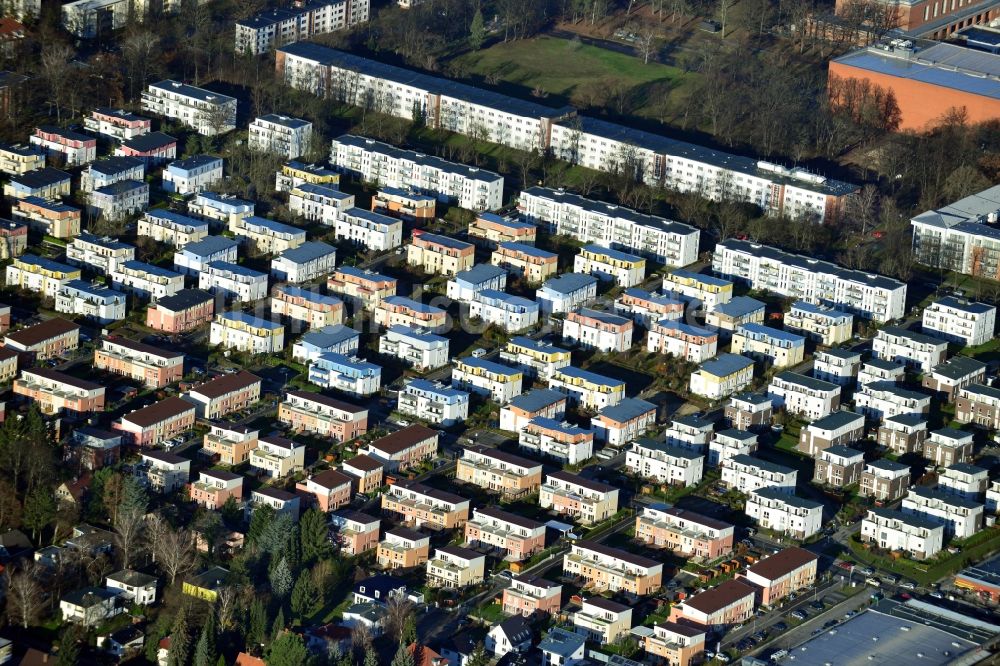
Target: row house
775, 510
471, 188
336, 339
48, 339
47, 184
499, 472
885, 480
730, 316
194, 257
585, 501
536, 403
747, 474
903, 433
146, 280
184, 311
39, 274
208, 113
839, 466
232, 443
719, 608
433, 402
979, 404
919, 538
708, 290
948, 446
111, 170
766, 268
56, 392
663, 463
402, 311
152, 366
957, 320
273, 133
914, 350
539, 360
73, 148
949, 377
587, 389
98, 253
367, 472
414, 347
686, 533
804, 396
415, 503
779, 576
466, 284
118, 201
328, 491
91, 300
749, 411
566, 293
530, 263
602, 621
404, 204
309, 261
304, 305
505, 311
149, 426
646, 308
497, 382
319, 203
618, 425
373, 231
779, 349
246, 333
568, 444
162, 471
323, 416
455, 567
690, 432
225, 394
590, 221
593, 329
675, 643
349, 375
837, 366
491, 230
153, 148
166, 226
214, 487
18, 159
730, 443
365, 289
277, 457
721, 376
403, 548
116, 124
610, 265
961, 517
686, 341
824, 325
406, 448
356, 532
517, 537
882, 400
267, 236
527, 595
840, 428
223, 210
612, 569
964, 480
439, 255
232, 282
192, 175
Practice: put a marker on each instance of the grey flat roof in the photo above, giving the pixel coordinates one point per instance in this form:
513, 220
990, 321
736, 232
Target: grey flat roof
417, 158
739, 306
536, 399
611, 210
958, 367
836, 420
567, 283
808, 382
767, 466
191, 91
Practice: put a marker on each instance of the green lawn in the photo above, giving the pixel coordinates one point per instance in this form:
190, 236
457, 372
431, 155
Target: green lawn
972, 550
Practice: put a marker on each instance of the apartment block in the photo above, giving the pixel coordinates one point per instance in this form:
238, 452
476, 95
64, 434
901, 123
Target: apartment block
8, 367
367, 472
111, 170
308, 261
244, 332
837, 366
18, 159
914, 350
588, 389
47, 184
439, 255
674, 337
294, 173
919, 538
568, 444
885, 480
734, 314
806, 396
433, 402
593, 329
192, 175
116, 124
516, 538
964, 480
708, 290
232, 282
675, 643
404, 204
405, 448
148, 426
153, 148
979, 404
91, 300
336, 339
612, 569
823, 325
729, 443
782, 574
539, 360
686, 533
505, 311
481, 277
323, 203
455, 567
497, 382
840, 428
220, 208
417, 504
959, 236
347, 374
232, 443
957, 320
39, 274
583, 500
529, 594
209, 113
13, 238
621, 424
403, 548
747, 474
152, 366
882, 400
146, 280
690, 432
949, 377
423, 351
225, 394
749, 411
497, 471
610, 265
839, 466
274, 133
566, 293
601, 620
663, 463
50, 338
73, 148
356, 532
56, 392
101, 254
184, 311
961, 517
214, 487
283, 502
277, 457
527, 261
516, 414
646, 308
363, 288
321, 415
267, 236
330, 489
303, 305
491, 230
777, 348
948, 446
722, 376
163, 472
902, 434
402, 311
718, 608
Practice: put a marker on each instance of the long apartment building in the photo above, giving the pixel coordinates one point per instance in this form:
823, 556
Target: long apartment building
961, 236
776, 510
525, 125
152, 425
687, 533
719, 608
583, 500
590, 221
518, 538
56, 392
301, 20
916, 536
612, 569
866, 295
152, 366
377, 162
315, 413
209, 113
420, 505
747, 474
499, 472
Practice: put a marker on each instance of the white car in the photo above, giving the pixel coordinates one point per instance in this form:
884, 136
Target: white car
908, 585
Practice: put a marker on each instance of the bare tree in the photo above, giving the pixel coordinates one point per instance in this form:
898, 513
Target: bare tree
140, 50
649, 42
130, 522
225, 606
24, 596
174, 552
397, 610
56, 72
361, 638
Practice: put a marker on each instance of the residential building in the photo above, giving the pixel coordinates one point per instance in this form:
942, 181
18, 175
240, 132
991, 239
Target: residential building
839, 466
885, 480
423, 351
811, 280
882, 400
57, 392
220, 208
88, 607
687, 533
718, 608
357, 532
735, 313
961, 517
663, 463
918, 537
439, 255
538, 402
433, 402
101, 254
412, 502
320, 203
686, 341
824, 325
786, 572
363, 288
118, 201
192, 175
497, 382
749, 411
497, 471
214, 487
402, 311
149, 426
283, 502
225, 394
731, 442
708, 290
330, 489
163, 472
949, 377
47, 184
366, 471
721, 376
620, 424
914, 350
517, 537
39, 274
243, 332
151, 147
536, 358
18, 159
116, 124
776, 348
455, 567
92, 301
376, 162
315, 413
209, 113
111, 170
978, 404
964, 480
135, 586
304, 305
588, 389
194, 257
566, 293
568, 444
593, 329
336, 339
957, 320
146, 280
876, 371
602, 621
903, 433
491, 230
561, 646
841, 428
307, 262
404, 204
277, 457
152, 366
481, 277
13, 238
346, 374
406, 448
612, 569
747, 474
89, 19
267, 236
71, 148
585, 501
52, 337
371, 230
948, 446
527, 261
806, 396
690, 432
675, 643
604, 263
403, 548
512, 635
8, 366
232, 282
232, 443
837, 366
274, 133
184, 311
646, 308
529, 594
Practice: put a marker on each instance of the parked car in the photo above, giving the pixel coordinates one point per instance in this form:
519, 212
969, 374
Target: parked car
866, 571
874, 582
799, 615
780, 626
908, 585
818, 605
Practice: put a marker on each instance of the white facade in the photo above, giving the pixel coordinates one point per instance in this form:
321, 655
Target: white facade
308, 261
233, 281
493, 380
566, 293
564, 442
747, 474
165, 226
371, 230
192, 175
807, 396
784, 513
664, 463
347, 374
914, 350
209, 113
282, 135
146, 280
957, 320
511, 313
593, 329
319, 203
894, 530
961, 517
92, 301
243, 332
102, 254
433, 402
273, 27
693, 343
422, 350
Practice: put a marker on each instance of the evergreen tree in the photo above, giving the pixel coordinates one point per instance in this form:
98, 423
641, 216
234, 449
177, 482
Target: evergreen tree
205, 652
477, 31
256, 624
287, 650
371, 658
69, 647
479, 656
408, 632
221, 661
180, 642
232, 515
260, 521
305, 596
314, 534
279, 624
403, 657
281, 579
39, 510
